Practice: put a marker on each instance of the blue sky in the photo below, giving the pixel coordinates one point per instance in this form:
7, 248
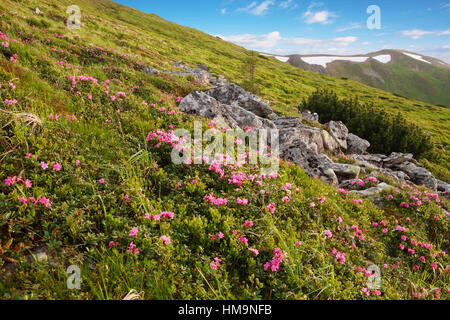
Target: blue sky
313, 27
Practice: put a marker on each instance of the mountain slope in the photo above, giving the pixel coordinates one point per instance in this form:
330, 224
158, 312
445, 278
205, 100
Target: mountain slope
400, 72
87, 177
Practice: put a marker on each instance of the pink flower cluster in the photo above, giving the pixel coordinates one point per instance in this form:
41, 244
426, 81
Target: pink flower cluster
132, 248
163, 214
41, 200
271, 207
340, 256
9, 181
165, 239
328, 233
374, 292
11, 102
13, 58
242, 201
274, 264
248, 224
358, 233
216, 201
219, 235
215, 264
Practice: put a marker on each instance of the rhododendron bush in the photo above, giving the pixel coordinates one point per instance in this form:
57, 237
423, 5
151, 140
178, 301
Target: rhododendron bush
86, 139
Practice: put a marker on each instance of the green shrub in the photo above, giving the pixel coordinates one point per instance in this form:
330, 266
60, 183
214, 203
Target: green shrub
385, 132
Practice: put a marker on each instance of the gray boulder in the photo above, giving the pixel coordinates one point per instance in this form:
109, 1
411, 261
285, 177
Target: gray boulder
418, 175
350, 184
310, 116
245, 118
339, 131
443, 186
231, 93
201, 104
287, 122
369, 160
345, 171
310, 136
151, 71
372, 191
397, 158
356, 144
329, 142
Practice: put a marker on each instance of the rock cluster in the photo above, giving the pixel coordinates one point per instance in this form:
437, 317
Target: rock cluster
230, 106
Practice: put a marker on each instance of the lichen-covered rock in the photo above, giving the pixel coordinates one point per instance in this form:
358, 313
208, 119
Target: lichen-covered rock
329, 142
310, 116
396, 159
339, 131
351, 184
419, 175
443, 186
345, 171
287, 122
310, 136
231, 93
356, 144
201, 104
245, 118
372, 191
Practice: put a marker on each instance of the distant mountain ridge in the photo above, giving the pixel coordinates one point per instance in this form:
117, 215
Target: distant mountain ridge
401, 72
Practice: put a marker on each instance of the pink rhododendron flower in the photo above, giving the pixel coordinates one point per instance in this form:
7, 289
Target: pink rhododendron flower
242, 201
215, 264
244, 240
165, 239
248, 224
271, 207
56, 166
134, 232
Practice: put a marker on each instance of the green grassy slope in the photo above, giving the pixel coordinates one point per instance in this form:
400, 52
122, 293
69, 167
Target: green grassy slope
104, 177
156, 41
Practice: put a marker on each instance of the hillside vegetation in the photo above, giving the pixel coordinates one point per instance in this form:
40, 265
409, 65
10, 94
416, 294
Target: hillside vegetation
86, 173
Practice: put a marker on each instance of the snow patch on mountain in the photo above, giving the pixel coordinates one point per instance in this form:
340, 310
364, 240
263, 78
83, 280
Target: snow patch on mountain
417, 57
282, 59
384, 58
323, 61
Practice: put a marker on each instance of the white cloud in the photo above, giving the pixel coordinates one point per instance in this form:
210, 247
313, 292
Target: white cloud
352, 26
320, 44
288, 4
223, 11
417, 33
265, 41
323, 17
258, 10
